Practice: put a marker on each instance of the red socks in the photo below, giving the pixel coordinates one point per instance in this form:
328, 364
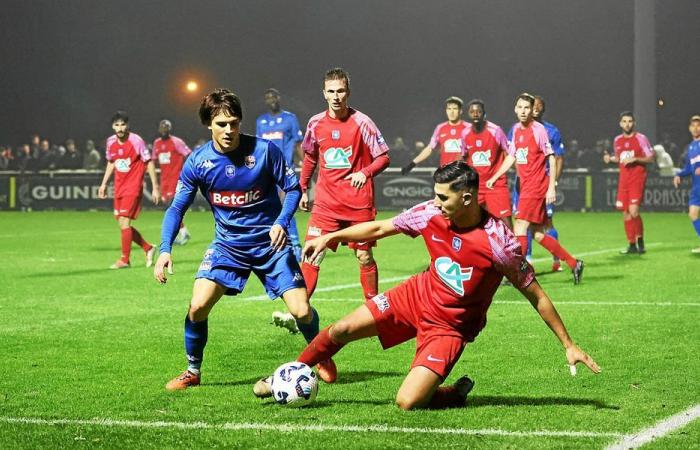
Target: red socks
630, 231
446, 397
553, 247
126, 244
310, 273
139, 240
523, 243
321, 348
369, 280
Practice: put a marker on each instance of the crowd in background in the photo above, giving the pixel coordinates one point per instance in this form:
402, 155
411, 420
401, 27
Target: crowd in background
41, 154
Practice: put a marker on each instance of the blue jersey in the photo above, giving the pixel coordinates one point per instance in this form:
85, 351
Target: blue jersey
692, 164
241, 188
283, 130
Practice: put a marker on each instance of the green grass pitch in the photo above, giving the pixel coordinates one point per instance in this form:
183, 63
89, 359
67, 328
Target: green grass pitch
87, 351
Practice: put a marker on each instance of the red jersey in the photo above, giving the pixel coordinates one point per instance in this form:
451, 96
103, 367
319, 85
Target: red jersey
448, 138
130, 159
635, 146
530, 147
485, 152
466, 267
170, 154
343, 147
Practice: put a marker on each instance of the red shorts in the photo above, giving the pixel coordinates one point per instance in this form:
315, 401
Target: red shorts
532, 209
127, 207
321, 224
632, 194
497, 202
396, 318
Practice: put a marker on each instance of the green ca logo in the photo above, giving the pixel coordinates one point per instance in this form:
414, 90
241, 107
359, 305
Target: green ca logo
452, 274
338, 158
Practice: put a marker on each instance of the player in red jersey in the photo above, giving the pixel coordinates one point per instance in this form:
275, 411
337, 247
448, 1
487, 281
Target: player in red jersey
485, 146
128, 158
633, 152
446, 136
530, 150
170, 152
444, 307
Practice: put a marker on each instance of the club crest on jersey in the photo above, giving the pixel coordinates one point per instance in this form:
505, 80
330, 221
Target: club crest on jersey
478, 143
249, 161
230, 171
521, 155
120, 152
263, 121
456, 243
338, 158
335, 135
480, 159
453, 131
279, 120
452, 274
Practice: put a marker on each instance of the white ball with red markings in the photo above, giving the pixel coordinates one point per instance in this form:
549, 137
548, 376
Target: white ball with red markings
294, 384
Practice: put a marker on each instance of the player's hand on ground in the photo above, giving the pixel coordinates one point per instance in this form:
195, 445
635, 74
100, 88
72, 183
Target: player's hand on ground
576, 355
551, 196
278, 237
357, 179
677, 181
155, 195
102, 191
313, 248
163, 262
304, 202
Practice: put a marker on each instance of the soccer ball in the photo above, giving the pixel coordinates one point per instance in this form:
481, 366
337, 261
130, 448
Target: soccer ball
294, 384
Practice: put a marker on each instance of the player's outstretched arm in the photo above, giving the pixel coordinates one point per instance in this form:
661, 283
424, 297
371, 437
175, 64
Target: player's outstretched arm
164, 262
367, 231
541, 302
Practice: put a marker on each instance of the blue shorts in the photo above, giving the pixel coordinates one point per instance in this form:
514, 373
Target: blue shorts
549, 209
231, 267
694, 196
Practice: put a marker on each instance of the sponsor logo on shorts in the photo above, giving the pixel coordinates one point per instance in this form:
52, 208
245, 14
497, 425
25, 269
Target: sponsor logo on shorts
381, 301
249, 161
235, 198
298, 276
289, 172
503, 211
314, 231
434, 359
452, 274
206, 265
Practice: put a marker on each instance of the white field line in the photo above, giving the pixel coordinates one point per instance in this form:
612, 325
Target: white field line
286, 428
525, 302
339, 287
659, 430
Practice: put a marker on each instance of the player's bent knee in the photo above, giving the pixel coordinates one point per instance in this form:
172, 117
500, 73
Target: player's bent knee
302, 313
408, 403
340, 331
365, 258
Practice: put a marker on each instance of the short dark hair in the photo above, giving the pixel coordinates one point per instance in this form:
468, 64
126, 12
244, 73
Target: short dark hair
527, 97
272, 91
626, 114
221, 100
454, 100
459, 174
337, 73
541, 99
120, 115
476, 101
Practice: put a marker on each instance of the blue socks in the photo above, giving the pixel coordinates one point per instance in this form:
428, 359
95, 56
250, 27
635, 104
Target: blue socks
696, 225
309, 330
553, 232
196, 334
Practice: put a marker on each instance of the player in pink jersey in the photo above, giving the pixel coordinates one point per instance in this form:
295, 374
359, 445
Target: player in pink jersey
447, 137
444, 307
484, 147
530, 150
170, 152
129, 159
633, 152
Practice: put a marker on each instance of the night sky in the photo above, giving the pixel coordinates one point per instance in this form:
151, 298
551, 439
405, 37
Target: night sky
68, 65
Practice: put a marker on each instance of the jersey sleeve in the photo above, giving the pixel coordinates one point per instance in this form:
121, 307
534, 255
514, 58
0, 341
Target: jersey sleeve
542, 140
507, 255
185, 192
500, 138
645, 145
286, 179
108, 154
556, 142
309, 144
181, 147
510, 149
414, 220
140, 147
372, 137
435, 138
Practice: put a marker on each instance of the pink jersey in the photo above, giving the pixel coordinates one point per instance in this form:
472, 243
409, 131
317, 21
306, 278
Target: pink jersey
448, 138
530, 147
466, 267
130, 159
343, 147
170, 154
635, 146
485, 152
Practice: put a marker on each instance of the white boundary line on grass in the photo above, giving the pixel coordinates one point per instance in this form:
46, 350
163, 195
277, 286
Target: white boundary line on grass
659, 430
338, 287
287, 428
525, 303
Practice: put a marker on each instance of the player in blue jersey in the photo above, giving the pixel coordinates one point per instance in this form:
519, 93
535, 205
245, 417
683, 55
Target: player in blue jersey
558, 148
239, 176
692, 169
282, 128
